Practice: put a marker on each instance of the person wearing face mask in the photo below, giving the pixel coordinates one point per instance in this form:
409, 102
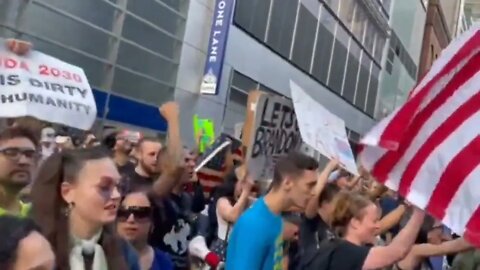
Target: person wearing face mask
22, 246
134, 223
78, 213
18, 161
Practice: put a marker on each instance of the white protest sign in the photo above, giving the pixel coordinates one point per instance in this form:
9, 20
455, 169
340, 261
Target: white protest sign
274, 134
46, 88
321, 129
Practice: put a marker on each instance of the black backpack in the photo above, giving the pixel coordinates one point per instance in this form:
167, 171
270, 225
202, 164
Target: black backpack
320, 256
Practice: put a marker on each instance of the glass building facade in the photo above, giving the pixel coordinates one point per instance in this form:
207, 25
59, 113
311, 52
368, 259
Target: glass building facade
338, 43
129, 47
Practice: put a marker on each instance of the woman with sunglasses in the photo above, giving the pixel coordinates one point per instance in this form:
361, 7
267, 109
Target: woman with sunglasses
75, 201
134, 223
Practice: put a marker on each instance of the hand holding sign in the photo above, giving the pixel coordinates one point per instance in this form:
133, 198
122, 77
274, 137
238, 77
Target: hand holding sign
19, 47
37, 85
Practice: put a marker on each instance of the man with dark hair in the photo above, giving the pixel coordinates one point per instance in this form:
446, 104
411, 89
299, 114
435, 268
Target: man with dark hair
18, 160
256, 241
22, 245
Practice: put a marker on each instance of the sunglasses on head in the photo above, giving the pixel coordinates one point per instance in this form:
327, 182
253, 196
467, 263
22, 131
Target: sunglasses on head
140, 213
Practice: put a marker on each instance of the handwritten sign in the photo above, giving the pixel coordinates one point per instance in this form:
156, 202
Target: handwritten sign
46, 88
321, 129
274, 134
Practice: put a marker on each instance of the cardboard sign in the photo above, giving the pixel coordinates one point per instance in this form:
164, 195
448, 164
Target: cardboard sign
46, 88
204, 132
270, 132
321, 129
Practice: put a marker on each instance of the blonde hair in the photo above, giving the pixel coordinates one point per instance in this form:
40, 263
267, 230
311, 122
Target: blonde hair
347, 206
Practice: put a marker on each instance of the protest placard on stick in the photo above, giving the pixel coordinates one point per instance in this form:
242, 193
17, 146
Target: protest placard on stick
270, 132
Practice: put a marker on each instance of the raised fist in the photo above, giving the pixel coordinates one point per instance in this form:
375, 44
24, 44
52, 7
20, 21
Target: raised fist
169, 110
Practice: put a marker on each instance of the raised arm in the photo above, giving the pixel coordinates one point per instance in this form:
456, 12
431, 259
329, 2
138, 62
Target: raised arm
232, 213
171, 161
380, 257
445, 248
312, 206
392, 218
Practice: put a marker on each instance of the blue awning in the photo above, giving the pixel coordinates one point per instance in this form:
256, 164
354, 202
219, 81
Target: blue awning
129, 111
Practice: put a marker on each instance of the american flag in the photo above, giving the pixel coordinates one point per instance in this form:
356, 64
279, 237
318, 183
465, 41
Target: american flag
429, 149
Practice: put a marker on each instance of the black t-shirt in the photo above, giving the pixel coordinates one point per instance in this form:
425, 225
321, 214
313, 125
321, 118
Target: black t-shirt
134, 181
126, 169
172, 229
348, 256
312, 232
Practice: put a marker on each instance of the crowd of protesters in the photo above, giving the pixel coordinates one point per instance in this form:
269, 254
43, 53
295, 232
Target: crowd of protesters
124, 202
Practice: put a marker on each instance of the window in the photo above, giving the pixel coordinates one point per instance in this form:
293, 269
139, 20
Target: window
359, 22
363, 79
159, 15
373, 91
304, 39
352, 72
370, 37
142, 61
347, 9
323, 49
149, 37
337, 69
252, 15
282, 23
178, 5
333, 4
71, 33
243, 82
380, 44
141, 88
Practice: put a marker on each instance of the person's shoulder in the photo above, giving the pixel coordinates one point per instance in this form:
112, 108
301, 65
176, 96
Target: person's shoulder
163, 260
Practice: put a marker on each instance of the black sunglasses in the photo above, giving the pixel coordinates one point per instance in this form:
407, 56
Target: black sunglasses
140, 213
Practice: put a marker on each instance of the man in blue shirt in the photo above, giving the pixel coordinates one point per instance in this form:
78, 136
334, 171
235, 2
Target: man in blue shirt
256, 240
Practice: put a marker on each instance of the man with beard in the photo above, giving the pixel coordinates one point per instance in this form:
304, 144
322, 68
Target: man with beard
146, 171
18, 160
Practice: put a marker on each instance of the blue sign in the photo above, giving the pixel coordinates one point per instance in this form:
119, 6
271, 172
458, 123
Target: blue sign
222, 19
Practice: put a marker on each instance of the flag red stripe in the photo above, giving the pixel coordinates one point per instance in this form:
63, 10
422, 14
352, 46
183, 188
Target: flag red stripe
465, 111
472, 234
387, 162
394, 130
452, 178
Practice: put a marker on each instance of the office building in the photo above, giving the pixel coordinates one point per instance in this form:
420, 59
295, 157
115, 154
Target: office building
140, 53
399, 74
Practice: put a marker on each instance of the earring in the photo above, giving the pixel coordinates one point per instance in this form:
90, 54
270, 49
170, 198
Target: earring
67, 210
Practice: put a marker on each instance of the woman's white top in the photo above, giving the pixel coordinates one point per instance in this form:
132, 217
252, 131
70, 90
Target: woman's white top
223, 226
90, 246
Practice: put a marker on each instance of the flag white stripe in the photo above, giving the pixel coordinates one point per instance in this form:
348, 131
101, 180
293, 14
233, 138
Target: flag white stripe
466, 91
464, 203
437, 162
374, 135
